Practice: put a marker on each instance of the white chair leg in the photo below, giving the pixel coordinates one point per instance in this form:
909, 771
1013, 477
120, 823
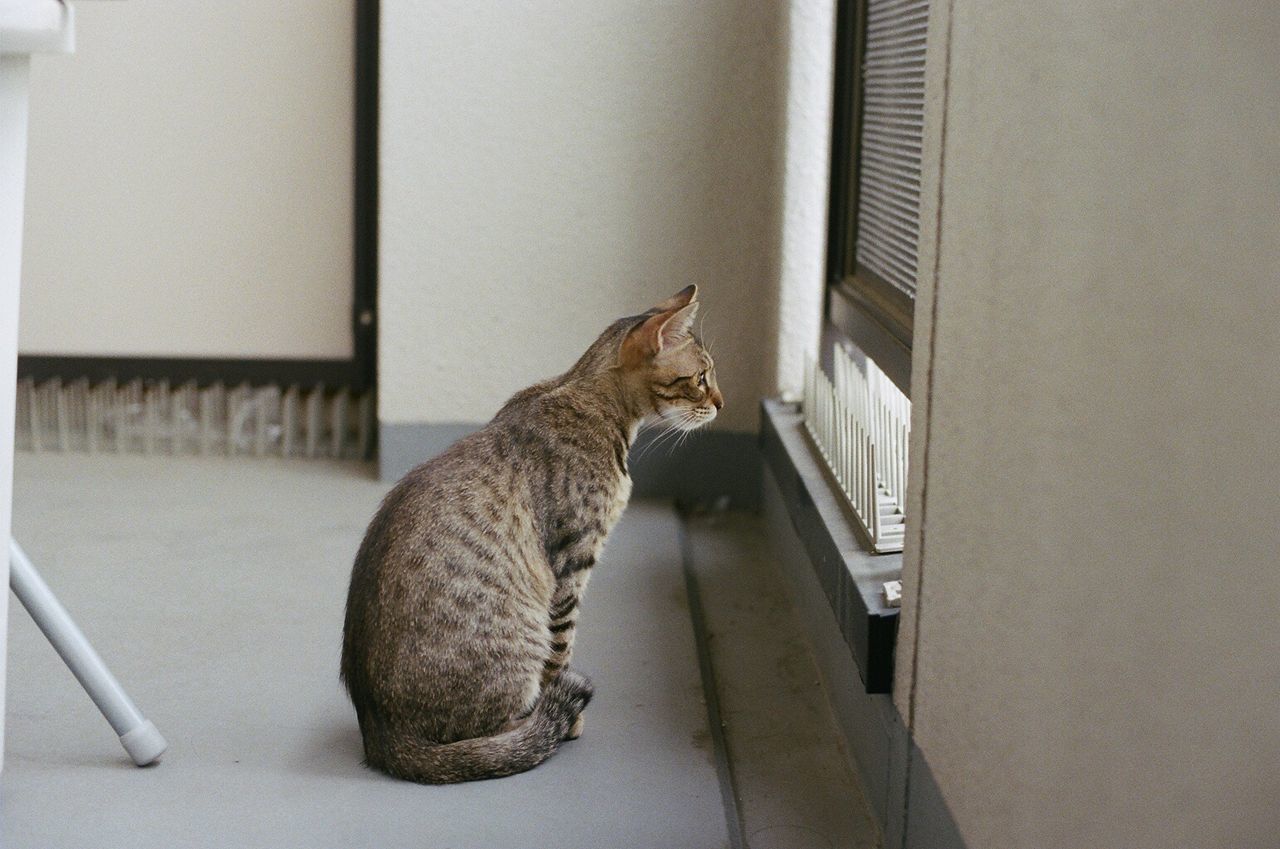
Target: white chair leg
138, 736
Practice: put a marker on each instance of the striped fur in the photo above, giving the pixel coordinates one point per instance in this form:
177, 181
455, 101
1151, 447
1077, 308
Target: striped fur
462, 610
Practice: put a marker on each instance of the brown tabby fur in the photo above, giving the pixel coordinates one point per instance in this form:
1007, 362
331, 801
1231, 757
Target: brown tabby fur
464, 596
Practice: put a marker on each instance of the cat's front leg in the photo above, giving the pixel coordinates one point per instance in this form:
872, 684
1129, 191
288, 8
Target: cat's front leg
572, 558
581, 683
563, 625
563, 629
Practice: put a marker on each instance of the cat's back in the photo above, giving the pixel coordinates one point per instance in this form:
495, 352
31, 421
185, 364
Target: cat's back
490, 494
473, 486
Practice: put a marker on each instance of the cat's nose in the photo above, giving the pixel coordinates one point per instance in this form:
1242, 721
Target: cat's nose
718, 400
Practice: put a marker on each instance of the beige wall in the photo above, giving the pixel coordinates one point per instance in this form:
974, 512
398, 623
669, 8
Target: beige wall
1096, 594
546, 172
190, 185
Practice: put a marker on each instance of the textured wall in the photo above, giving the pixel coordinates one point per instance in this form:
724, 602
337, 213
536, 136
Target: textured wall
191, 182
1096, 661
806, 187
546, 172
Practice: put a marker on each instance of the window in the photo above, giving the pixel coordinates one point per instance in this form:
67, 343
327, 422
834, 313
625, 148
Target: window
875, 177
855, 402
839, 462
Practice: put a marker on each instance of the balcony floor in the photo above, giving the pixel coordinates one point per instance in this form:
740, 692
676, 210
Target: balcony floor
214, 590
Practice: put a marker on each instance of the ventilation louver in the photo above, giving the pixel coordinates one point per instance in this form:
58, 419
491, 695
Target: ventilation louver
888, 233
154, 418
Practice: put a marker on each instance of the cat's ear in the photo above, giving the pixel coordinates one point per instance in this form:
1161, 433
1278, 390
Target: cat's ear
679, 326
657, 333
683, 298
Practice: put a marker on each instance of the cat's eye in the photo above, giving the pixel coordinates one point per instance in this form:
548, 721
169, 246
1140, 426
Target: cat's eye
702, 380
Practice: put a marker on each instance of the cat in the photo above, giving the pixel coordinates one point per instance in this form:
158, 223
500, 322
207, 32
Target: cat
464, 595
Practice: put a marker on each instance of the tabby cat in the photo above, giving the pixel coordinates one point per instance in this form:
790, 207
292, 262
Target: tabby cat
464, 595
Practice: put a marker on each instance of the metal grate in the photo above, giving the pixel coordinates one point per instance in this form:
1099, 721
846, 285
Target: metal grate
891, 137
861, 423
152, 417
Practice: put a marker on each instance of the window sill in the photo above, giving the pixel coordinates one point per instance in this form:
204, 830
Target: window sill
851, 577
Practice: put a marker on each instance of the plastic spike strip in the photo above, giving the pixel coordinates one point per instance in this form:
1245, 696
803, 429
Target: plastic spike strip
156, 418
860, 424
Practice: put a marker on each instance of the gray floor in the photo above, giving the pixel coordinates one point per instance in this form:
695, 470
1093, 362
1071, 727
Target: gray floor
214, 589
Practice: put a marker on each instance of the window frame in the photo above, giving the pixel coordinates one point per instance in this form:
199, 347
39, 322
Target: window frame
861, 307
360, 371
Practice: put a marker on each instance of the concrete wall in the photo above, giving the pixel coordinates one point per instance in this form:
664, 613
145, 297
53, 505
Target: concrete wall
191, 182
1092, 605
546, 172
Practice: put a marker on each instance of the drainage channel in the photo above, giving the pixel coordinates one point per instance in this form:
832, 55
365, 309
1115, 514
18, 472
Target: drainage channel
724, 770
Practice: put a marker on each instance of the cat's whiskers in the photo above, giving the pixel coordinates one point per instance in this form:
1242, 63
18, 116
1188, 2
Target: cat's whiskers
683, 436
681, 424
666, 432
698, 417
670, 434
646, 426
708, 345
686, 424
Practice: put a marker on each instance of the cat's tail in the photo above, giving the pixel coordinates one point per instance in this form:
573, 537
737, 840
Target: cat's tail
534, 739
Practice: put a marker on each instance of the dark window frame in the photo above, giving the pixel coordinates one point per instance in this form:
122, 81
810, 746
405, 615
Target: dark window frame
861, 306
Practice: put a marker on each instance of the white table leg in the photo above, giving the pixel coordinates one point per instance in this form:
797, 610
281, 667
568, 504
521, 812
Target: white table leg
138, 736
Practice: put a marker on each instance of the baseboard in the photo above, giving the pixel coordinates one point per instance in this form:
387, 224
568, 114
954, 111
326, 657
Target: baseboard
403, 446
708, 467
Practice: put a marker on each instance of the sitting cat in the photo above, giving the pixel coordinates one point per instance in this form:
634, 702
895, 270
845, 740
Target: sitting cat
464, 595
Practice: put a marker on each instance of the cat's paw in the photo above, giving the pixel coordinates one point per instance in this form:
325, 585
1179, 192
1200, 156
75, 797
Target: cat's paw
566, 697
579, 683
575, 730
